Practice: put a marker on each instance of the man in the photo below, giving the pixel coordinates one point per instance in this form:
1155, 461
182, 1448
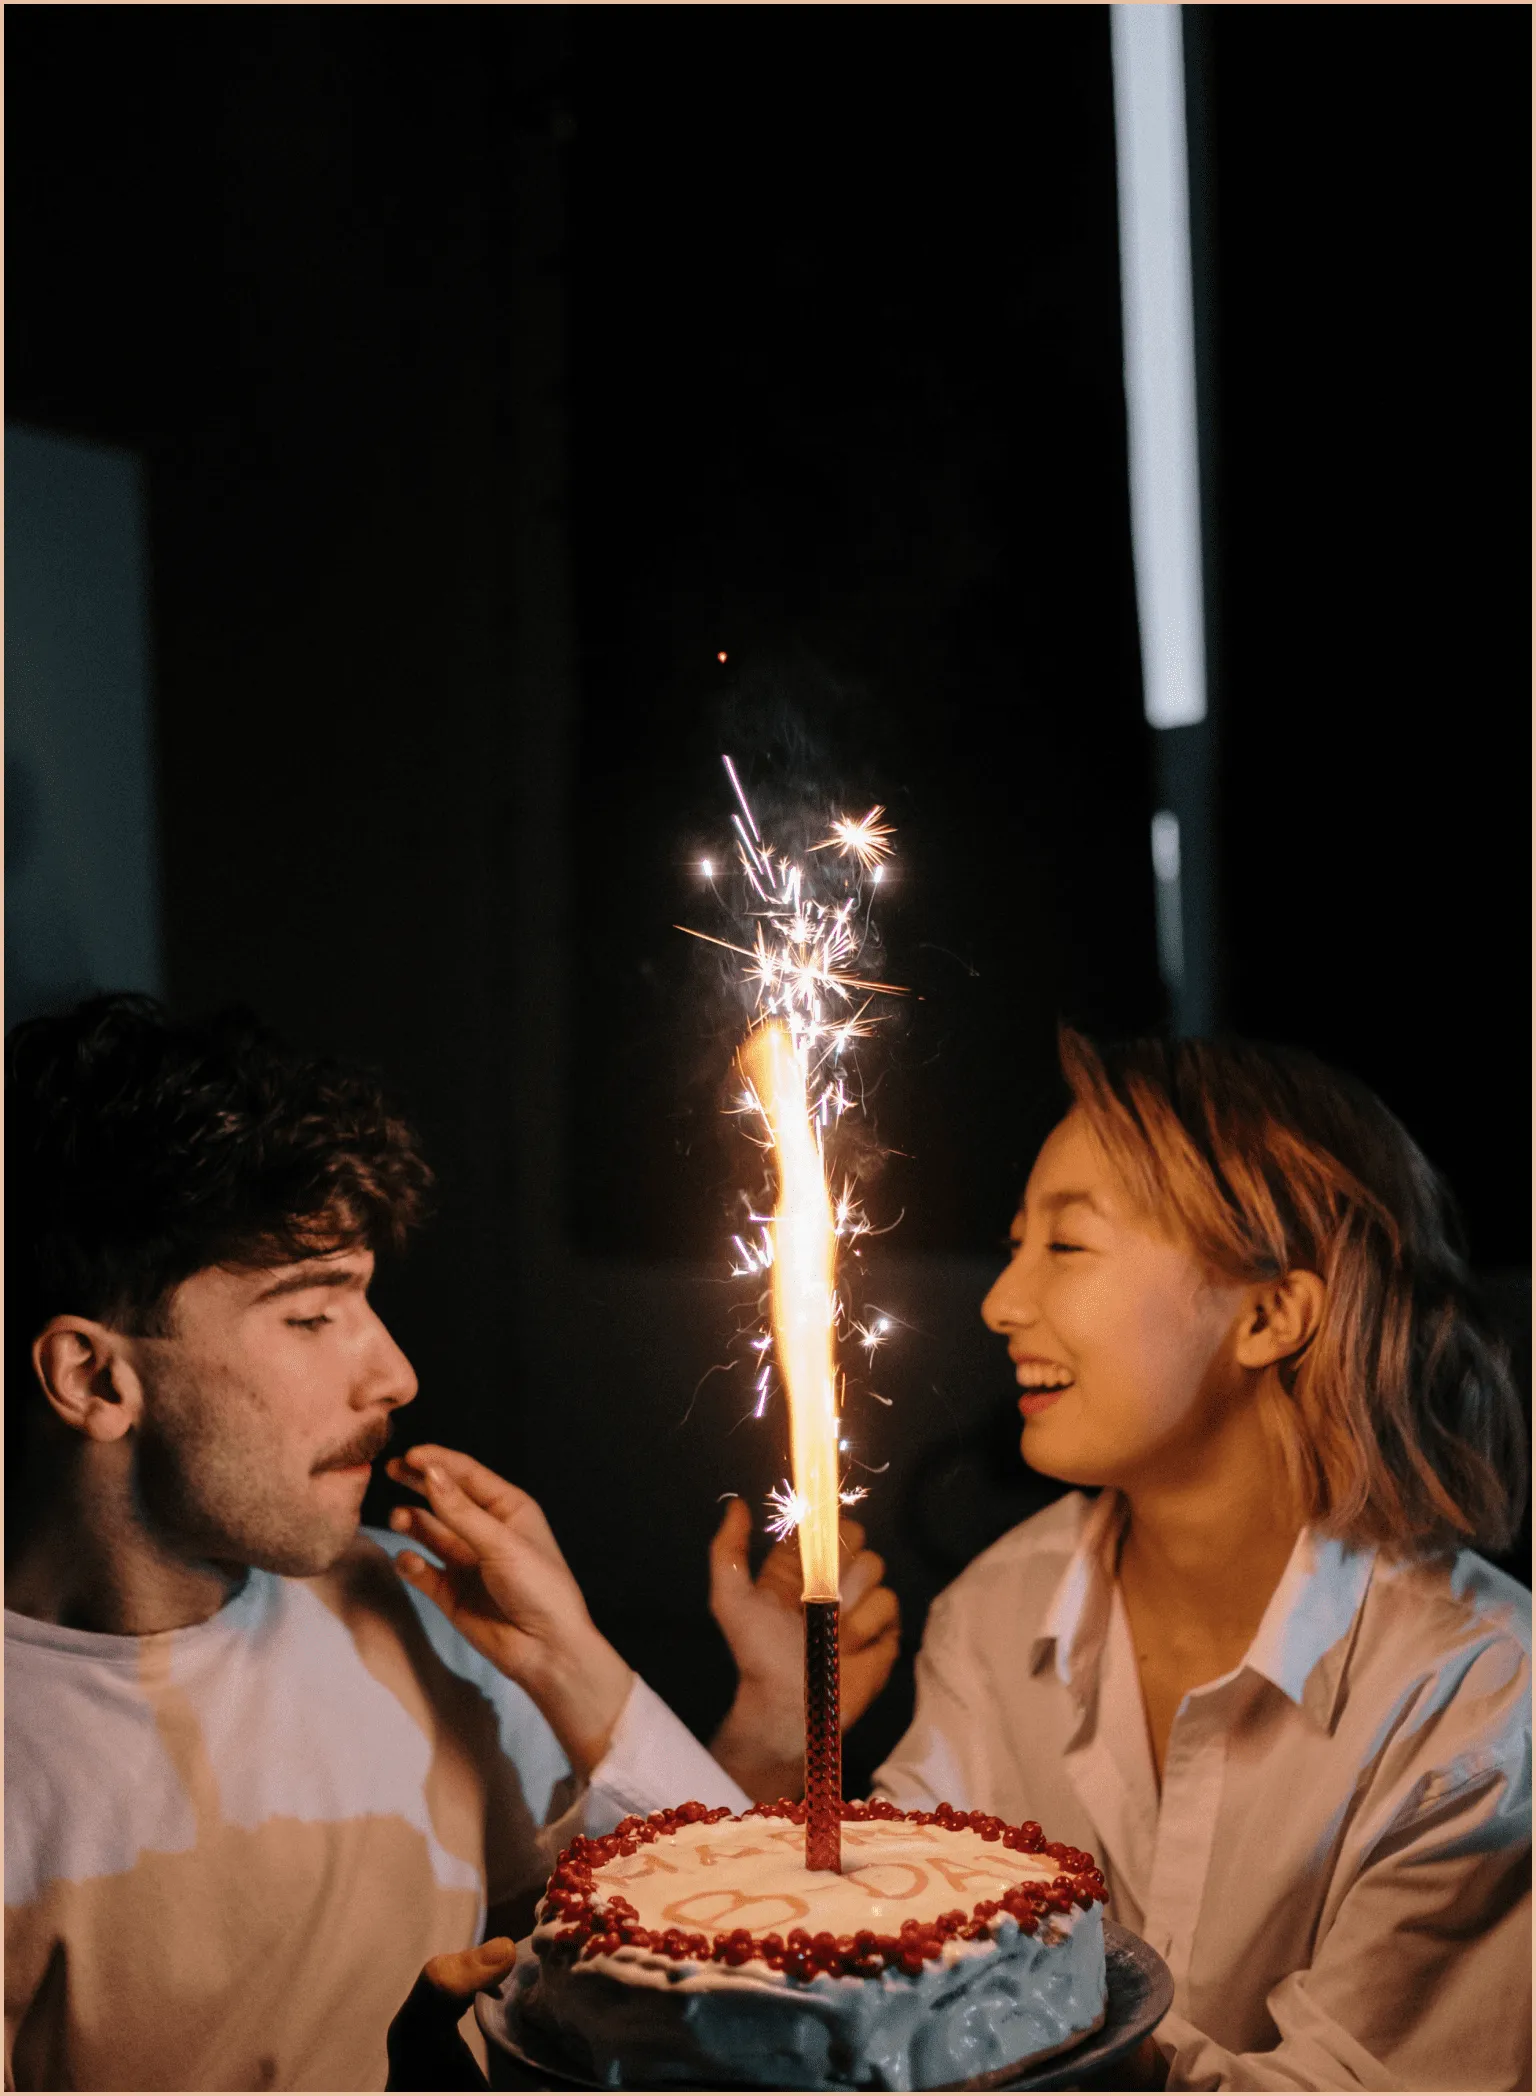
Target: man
259, 1767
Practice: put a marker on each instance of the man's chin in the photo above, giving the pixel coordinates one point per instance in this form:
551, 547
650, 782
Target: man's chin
305, 1556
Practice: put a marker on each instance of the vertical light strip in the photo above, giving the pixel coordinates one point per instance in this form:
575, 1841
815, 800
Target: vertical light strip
1170, 900
1152, 165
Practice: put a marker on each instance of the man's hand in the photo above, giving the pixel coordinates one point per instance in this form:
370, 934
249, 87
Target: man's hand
425, 2048
504, 1585
762, 1740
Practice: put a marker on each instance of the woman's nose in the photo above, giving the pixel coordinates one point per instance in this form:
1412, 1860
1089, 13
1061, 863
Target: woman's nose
1004, 1305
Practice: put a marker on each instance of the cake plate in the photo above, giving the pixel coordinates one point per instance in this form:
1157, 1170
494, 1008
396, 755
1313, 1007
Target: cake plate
1139, 1986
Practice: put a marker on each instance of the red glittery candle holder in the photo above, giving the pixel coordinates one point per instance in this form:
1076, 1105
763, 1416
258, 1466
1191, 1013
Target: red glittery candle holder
823, 1740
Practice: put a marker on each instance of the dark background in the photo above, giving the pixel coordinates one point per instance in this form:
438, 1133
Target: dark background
495, 368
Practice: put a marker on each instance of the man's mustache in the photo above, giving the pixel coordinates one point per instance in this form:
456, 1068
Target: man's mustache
364, 1447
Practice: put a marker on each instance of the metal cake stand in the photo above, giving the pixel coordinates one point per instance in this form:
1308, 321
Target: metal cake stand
1140, 1989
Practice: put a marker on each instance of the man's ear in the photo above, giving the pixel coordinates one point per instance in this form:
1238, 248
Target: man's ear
1280, 1319
87, 1377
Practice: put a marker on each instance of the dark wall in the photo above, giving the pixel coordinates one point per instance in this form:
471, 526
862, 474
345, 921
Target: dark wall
847, 406
300, 257
494, 368
1367, 195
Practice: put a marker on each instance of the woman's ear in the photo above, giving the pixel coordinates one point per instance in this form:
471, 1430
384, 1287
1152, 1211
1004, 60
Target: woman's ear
1280, 1319
87, 1377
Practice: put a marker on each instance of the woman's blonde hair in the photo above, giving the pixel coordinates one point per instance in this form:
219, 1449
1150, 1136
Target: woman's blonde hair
1400, 1420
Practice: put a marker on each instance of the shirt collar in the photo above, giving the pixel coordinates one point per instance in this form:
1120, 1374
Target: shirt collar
1304, 1639
1077, 1620
1302, 1642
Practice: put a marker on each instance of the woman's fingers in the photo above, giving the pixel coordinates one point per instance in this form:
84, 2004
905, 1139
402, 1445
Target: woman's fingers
423, 1527
730, 1579
496, 1495
859, 1578
781, 1573
850, 1536
487, 1536
428, 1579
506, 1503
877, 1616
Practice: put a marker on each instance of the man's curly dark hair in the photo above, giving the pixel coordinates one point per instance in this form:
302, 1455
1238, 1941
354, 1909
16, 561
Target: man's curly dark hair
141, 1149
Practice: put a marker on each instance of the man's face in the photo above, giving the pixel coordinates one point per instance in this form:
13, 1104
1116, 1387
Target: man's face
264, 1406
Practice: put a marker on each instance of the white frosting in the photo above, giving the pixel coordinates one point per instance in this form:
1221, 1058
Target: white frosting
633, 2016
751, 1874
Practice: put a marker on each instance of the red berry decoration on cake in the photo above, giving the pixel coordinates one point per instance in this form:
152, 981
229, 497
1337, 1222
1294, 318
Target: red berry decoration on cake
694, 1947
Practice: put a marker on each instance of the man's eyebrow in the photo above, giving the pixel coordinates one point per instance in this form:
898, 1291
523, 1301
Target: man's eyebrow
312, 1277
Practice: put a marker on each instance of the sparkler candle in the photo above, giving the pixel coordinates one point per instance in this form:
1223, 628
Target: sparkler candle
809, 928
804, 1246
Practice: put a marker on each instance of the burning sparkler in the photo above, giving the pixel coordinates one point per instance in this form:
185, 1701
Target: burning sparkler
803, 1254
813, 1007
809, 930
868, 840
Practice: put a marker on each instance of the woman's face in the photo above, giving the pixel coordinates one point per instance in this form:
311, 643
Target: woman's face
1123, 1342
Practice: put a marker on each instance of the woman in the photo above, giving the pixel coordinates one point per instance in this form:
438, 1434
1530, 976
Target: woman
1261, 1677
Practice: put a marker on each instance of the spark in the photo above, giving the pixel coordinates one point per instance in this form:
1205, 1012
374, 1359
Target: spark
873, 1334
848, 1218
730, 772
789, 1509
868, 840
755, 1259
707, 868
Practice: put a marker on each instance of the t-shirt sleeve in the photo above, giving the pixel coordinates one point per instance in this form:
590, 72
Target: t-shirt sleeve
652, 1761
529, 1785
535, 1804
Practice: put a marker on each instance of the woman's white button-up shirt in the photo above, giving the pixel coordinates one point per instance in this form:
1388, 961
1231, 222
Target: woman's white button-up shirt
1337, 1869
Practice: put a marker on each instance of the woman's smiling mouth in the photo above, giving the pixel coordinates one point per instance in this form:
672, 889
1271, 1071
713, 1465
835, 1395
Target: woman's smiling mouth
1041, 1382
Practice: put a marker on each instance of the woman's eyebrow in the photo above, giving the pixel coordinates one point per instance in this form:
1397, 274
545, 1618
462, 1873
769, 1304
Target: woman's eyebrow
1069, 1198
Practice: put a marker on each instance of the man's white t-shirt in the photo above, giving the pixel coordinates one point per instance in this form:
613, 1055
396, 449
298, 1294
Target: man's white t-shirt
230, 1849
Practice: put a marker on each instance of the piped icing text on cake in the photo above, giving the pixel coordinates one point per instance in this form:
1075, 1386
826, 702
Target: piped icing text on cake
875, 1915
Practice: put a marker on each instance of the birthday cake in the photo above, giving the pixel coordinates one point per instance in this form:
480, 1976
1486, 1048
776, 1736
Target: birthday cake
694, 1948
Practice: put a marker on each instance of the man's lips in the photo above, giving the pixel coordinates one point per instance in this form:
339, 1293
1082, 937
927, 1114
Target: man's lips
359, 1455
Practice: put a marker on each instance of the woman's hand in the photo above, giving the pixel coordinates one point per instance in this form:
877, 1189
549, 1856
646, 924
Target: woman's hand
505, 1587
762, 1740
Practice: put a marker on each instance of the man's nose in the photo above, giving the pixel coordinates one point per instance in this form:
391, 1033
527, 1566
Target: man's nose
389, 1378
